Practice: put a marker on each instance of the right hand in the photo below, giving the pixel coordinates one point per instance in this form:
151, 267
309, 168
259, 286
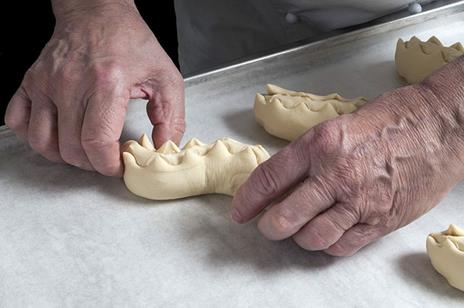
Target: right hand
358, 177
72, 102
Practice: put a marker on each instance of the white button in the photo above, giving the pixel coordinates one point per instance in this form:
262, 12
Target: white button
291, 18
414, 8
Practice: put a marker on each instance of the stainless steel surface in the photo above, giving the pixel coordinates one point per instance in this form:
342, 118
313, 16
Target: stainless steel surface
74, 238
436, 9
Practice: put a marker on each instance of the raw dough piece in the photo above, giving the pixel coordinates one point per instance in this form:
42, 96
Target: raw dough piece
446, 251
288, 114
171, 173
415, 60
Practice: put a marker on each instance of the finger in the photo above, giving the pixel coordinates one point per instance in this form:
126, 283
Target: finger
18, 113
287, 217
70, 120
354, 239
102, 128
43, 130
327, 228
269, 181
166, 111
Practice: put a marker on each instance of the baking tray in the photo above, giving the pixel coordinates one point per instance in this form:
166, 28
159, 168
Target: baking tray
75, 238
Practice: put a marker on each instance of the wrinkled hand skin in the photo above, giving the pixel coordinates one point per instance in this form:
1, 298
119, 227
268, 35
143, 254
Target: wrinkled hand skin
354, 179
72, 102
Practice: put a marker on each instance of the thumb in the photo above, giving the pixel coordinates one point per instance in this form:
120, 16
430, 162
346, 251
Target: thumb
166, 110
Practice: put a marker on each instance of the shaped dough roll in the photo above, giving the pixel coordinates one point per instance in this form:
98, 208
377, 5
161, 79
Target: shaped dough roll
196, 169
288, 114
446, 251
415, 60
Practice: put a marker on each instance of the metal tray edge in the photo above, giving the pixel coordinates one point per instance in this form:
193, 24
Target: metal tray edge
381, 26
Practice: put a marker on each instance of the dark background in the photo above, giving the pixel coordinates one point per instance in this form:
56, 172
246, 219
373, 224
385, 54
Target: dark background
26, 26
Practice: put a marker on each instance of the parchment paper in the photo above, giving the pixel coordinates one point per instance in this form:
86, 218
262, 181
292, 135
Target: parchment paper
70, 238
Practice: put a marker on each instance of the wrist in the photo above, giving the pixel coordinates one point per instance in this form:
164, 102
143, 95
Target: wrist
65, 8
446, 90
447, 85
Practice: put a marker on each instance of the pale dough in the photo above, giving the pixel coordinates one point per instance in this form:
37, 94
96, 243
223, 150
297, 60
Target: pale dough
446, 251
415, 60
288, 114
171, 173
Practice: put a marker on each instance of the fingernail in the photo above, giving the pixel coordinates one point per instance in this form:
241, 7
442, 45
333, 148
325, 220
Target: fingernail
235, 215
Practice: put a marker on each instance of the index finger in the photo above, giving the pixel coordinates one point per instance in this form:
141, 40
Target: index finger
269, 181
102, 128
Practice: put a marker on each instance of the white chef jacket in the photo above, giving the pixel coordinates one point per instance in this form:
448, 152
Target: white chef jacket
212, 33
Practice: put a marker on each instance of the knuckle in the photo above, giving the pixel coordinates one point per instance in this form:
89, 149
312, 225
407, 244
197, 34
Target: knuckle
325, 137
108, 168
344, 216
284, 220
286, 155
30, 76
339, 225
387, 223
279, 226
266, 180
105, 166
39, 145
46, 149
381, 216
72, 156
359, 237
67, 74
71, 159
339, 250
179, 125
108, 74
35, 81
243, 201
94, 143
311, 240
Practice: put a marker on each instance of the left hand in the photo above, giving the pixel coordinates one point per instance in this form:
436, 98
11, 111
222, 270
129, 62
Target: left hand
72, 102
354, 179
